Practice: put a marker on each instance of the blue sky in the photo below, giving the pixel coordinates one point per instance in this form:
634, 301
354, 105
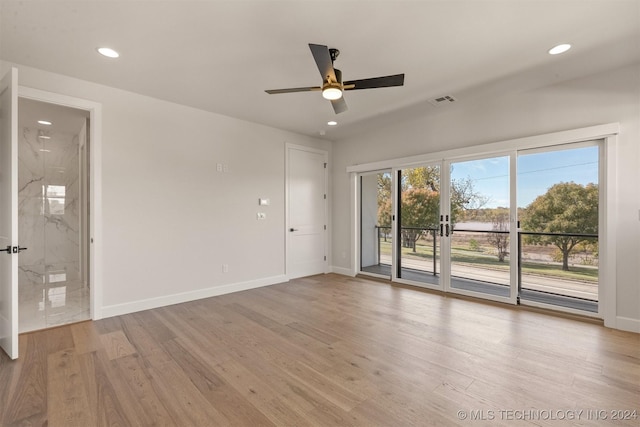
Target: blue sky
536, 173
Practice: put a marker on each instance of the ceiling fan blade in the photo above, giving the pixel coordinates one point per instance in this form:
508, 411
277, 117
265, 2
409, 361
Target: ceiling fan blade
293, 89
374, 82
323, 60
339, 105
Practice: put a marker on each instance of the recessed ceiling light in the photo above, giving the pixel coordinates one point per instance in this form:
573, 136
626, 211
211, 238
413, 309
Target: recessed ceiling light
561, 48
332, 123
45, 122
108, 52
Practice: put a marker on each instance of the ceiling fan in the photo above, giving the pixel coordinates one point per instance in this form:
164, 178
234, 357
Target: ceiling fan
332, 84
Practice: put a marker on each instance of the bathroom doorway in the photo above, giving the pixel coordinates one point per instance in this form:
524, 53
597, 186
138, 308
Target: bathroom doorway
53, 209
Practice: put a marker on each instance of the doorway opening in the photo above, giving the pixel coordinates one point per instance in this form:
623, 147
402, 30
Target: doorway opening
418, 224
375, 223
53, 210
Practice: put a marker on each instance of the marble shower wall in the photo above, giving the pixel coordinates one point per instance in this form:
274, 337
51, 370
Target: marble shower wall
48, 196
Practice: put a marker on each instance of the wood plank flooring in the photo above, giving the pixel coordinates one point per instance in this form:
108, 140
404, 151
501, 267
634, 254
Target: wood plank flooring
325, 351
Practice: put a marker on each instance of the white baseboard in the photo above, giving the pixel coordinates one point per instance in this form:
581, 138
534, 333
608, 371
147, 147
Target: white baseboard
627, 324
147, 304
342, 270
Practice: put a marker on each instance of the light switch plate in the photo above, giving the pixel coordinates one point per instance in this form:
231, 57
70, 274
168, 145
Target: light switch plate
263, 202
261, 215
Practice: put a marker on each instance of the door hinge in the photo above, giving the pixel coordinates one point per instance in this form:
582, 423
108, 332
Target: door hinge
325, 257
325, 227
325, 165
325, 197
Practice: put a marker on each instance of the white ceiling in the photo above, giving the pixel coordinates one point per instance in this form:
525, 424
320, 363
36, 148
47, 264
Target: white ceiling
220, 56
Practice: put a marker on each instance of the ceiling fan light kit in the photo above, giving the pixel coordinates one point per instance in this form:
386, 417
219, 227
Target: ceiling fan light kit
332, 91
332, 86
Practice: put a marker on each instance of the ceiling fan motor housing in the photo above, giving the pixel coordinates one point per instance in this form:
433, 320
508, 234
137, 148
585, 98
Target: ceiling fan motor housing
338, 75
333, 90
334, 53
332, 84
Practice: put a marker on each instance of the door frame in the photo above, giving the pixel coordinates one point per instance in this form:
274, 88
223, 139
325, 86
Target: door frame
326, 240
396, 196
95, 183
358, 222
606, 147
513, 229
607, 294
9, 341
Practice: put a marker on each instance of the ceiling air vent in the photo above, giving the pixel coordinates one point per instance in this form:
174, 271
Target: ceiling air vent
442, 100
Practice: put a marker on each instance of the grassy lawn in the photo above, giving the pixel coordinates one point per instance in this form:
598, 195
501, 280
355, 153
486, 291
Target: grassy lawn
464, 255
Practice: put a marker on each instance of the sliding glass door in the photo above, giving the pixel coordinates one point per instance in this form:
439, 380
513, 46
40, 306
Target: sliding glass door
518, 226
480, 228
375, 223
558, 204
418, 224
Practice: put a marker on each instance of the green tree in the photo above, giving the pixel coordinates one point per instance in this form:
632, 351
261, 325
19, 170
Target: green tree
566, 207
384, 203
420, 213
384, 218
500, 222
465, 200
420, 210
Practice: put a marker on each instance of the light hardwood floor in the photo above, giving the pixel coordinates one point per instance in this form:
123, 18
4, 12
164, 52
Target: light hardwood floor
328, 351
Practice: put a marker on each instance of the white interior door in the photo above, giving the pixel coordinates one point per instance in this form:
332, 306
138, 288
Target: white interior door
306, 215
9, 213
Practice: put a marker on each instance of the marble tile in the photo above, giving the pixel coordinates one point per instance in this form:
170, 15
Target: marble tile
30, 163
31, 316
50, 292
31, 232
62, 272
30, 275
61, 240
43, 306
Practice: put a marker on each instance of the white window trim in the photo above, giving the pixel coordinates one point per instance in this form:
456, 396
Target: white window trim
608, 195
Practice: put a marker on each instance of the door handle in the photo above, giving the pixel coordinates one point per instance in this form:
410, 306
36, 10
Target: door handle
293, 229
441, 227
13, 249
447, 230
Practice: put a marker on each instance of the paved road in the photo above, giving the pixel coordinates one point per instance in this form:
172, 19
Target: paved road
573, 288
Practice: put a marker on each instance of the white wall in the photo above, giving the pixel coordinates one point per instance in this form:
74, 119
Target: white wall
170, 220
605, 98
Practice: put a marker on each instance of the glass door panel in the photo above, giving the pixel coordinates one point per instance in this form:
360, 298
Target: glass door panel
558, 204
375, 224
479, 222
418, 222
